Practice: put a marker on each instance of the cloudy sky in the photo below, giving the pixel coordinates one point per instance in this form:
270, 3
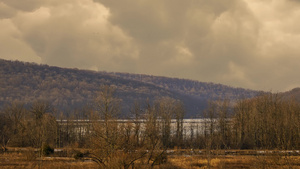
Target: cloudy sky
242, 43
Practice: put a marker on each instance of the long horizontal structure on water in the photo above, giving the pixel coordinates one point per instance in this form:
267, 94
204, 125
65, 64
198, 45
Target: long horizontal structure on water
80, 121
190, 126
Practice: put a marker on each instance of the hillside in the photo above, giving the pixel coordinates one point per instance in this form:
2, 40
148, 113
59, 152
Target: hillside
203, 90
294, 94
68, 89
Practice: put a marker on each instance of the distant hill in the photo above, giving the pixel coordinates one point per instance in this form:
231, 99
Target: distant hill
68, 89
203, 90
294, 94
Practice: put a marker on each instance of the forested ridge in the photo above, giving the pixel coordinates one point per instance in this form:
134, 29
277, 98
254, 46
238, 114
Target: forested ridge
35, 98
198, 89
68, 89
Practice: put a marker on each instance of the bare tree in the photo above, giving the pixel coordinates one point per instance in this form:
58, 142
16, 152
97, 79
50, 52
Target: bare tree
179, 115
5, 130
165, 110
209, 128
105, 126
136, 111
153, 141
43, 127
16, 115
115, 143
223, 123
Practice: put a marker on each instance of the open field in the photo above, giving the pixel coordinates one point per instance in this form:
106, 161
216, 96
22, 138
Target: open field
27, 158
236, 162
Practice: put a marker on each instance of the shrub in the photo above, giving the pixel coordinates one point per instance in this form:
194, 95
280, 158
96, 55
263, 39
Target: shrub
161, 159
47, 150
78, 155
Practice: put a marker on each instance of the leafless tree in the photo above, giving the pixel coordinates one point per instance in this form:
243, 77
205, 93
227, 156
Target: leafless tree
179, 115
115, 143
5, 130
43, 127
136, 111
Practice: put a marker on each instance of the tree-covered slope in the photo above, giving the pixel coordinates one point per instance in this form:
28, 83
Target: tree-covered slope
204, 90
67, 89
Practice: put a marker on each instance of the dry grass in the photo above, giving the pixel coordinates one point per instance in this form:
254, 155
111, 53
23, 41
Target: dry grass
28, 159
20, 160
236, 162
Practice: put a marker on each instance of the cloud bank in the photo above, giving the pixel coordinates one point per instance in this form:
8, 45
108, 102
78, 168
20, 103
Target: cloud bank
242, 43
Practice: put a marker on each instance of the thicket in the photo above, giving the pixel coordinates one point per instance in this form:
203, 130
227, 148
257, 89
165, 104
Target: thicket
33, 126
264, 122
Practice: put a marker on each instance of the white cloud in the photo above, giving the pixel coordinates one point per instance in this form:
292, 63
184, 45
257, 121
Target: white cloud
76, 34
13, 46
183, 56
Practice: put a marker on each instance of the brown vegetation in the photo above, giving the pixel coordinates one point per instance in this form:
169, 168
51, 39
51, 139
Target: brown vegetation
264, 123
23, 159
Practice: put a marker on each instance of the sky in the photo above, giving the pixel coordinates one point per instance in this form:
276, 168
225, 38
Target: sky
252, 44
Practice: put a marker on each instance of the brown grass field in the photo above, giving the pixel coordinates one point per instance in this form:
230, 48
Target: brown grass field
28, 159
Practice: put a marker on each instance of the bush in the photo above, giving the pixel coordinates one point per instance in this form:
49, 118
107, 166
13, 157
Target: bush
247, 144
47, 150
78, 155
161, 159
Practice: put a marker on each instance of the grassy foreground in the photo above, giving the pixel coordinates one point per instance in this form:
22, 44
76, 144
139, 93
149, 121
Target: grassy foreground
29, 159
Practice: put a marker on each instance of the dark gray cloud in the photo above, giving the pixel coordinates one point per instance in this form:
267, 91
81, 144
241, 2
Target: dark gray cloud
243, 43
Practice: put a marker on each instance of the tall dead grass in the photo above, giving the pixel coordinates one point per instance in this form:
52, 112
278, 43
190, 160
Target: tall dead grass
29, 159
236, 162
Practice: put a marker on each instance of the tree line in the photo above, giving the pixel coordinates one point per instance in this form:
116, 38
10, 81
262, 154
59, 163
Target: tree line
264, 122
268, 121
